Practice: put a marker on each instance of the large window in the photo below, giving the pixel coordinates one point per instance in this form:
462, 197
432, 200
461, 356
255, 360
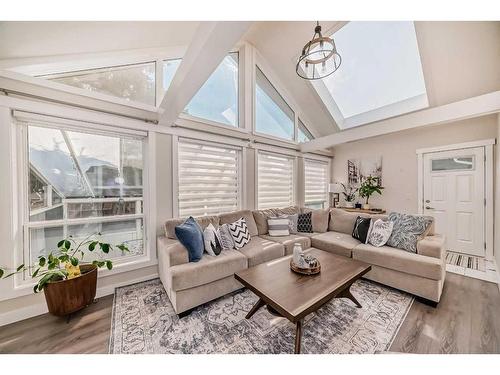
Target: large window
380, 76
316, 178
209, 178
131, 82
217, 99
79, 184
275, 178
273, 116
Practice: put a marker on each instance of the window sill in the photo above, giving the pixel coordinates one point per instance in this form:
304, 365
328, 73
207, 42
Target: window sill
26, 288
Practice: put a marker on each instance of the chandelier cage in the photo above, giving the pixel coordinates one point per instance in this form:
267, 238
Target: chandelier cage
319, 57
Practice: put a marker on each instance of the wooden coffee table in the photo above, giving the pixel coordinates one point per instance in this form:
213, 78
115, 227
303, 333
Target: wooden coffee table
294, 296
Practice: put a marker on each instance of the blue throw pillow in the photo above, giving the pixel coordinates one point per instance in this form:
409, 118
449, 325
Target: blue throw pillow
190, 235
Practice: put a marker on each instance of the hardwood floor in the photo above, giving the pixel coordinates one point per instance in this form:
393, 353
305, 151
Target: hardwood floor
465, 321
87, 332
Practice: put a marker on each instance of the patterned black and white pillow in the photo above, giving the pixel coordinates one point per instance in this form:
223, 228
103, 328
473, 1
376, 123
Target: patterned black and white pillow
278, 226
361, 229
212, 241
239, 232
304, 223
380, 232
226, 239
408, 230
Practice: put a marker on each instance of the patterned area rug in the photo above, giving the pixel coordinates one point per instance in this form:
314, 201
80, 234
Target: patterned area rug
145, 322
466, 261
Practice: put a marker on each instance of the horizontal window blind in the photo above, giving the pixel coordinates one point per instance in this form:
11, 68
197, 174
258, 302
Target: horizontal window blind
316, 183
209, 178
275, 180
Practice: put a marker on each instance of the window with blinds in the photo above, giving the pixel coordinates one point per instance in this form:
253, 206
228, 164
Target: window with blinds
209, 178
316, 178
275, 180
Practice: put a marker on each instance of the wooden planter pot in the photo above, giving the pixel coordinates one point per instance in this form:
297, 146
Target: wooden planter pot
68, 296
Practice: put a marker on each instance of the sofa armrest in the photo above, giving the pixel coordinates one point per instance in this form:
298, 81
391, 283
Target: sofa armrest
171, 252
432, 246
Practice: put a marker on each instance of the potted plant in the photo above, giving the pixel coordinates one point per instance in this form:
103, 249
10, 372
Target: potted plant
67, 279
349, 195
368, 188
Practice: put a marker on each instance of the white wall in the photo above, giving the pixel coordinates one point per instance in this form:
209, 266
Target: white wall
399, 158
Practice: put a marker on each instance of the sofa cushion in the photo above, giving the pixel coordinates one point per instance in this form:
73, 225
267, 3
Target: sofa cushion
304, 223
239, 232
190, 235
278, 226
260, 250
319, 219
203, 221
380, 232
289, 241
171, 252
361, 229
400, 260
432, 246
231, 217
260, 216
343, 221
335, 242
208, 269
408, 230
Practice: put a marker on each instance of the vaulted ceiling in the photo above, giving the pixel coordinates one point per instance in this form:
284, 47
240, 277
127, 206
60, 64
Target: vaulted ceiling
459, 59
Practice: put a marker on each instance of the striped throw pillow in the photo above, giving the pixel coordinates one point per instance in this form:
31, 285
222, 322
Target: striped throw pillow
278, 226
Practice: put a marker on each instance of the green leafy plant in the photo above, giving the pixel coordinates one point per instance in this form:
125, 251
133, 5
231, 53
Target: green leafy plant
349, 192
64, 263
369, 187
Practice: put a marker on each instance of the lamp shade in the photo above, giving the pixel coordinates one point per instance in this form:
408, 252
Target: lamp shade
334, 188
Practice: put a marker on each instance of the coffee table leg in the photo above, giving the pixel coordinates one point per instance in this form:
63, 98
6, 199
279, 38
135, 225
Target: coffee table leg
255, 307
298, 336
347, 294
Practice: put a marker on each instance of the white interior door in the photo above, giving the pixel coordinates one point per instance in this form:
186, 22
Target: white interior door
454, 195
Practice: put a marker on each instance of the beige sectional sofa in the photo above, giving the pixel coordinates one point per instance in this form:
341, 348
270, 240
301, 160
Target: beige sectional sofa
191, 284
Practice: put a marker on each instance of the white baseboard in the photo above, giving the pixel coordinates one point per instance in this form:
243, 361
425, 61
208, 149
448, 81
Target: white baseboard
41, 308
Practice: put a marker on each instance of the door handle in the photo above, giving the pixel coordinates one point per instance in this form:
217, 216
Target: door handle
429, 208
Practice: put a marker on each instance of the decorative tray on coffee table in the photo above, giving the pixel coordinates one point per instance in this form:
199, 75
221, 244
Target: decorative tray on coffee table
305, 271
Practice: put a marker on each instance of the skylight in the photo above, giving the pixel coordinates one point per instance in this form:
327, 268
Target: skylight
380, 76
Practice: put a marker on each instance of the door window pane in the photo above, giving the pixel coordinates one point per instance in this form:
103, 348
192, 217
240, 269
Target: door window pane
130, 82
451, 164
273, 115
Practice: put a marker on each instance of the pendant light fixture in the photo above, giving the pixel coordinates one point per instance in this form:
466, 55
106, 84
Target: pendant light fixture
319, 57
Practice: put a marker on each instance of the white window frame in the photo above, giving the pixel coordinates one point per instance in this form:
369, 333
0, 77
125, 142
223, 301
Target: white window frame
240, 95
238, 146
273, 151
305, 129
259, 62
23, 284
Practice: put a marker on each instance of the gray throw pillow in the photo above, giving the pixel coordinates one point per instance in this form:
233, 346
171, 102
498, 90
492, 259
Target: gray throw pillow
226, 239
408, 230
